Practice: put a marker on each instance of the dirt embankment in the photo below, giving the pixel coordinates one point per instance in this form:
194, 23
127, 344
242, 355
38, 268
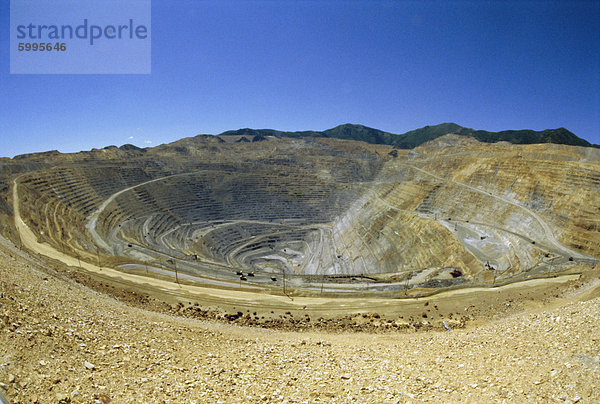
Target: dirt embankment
62, 342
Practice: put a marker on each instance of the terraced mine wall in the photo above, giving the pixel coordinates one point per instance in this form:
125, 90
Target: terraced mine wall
324, 215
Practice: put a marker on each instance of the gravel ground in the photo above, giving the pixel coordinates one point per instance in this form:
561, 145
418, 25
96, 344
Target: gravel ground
63, 342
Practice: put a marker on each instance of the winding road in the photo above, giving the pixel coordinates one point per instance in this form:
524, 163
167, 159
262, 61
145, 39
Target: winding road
93, 218
234, 295
547, 231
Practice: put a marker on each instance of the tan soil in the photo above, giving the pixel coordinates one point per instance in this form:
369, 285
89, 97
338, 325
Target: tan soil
61, 341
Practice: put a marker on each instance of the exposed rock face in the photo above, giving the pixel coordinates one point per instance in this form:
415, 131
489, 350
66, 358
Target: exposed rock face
559, 183
312, 208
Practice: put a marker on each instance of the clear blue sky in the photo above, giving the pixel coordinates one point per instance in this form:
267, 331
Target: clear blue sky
300, 65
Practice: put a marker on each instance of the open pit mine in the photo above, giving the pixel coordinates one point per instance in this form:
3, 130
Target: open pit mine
312, 217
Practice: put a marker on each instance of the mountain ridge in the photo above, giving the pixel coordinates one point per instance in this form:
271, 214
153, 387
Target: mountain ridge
348, 131
416, 137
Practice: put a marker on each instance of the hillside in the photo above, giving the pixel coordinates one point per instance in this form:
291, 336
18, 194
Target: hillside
301, 268
62, 342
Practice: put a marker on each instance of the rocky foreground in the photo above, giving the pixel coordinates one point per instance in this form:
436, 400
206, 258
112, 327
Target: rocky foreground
62, 342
